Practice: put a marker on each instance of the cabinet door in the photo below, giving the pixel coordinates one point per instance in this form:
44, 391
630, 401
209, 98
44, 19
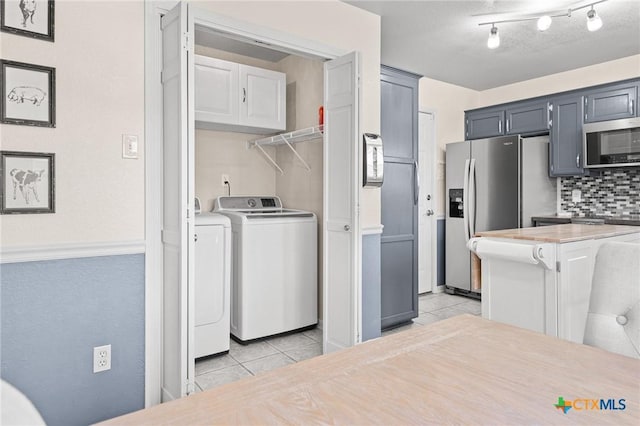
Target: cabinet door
262, 98
216, 93
484, 124
574, 288
566, 137
611, 103
527, 118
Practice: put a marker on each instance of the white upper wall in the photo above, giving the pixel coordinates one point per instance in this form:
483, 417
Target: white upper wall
593, 75
98, 55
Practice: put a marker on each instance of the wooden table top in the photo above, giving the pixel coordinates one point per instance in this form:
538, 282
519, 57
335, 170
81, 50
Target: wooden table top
463, 370
564, 233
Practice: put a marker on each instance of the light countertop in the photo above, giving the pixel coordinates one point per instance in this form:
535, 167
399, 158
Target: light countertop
564, 233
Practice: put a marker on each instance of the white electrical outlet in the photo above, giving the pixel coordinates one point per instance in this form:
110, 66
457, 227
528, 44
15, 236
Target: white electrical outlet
576, 196
225, 178
101, 358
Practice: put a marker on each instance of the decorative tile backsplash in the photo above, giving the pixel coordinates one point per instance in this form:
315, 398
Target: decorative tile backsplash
615, 192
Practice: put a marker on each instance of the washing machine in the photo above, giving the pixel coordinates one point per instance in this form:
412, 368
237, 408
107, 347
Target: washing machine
212, 284
274, 282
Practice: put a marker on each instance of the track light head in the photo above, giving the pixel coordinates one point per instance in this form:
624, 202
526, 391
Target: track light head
594, 23
494, 39
544, 22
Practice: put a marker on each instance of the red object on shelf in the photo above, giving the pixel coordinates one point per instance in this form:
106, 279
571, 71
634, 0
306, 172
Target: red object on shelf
321, 116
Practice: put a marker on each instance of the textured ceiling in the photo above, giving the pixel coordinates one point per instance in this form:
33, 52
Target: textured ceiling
442, 39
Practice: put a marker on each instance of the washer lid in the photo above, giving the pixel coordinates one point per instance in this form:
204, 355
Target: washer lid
207, 218
248, 204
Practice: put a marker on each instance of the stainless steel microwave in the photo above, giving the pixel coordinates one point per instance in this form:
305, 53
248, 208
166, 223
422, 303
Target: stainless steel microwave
614, 143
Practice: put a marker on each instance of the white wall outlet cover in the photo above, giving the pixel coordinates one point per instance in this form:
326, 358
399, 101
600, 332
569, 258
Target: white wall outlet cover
130, 146
101, 358
576, 195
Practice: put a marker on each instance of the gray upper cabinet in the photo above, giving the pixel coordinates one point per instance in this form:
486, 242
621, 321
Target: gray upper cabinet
528, 117
611, 103
484, 124
565, 149
562, 115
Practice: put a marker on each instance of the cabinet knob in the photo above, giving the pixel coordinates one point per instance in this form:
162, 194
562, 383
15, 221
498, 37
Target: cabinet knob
429, 212
347, 228
195, 237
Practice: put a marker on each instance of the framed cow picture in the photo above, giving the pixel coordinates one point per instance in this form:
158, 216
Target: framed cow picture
29, 18
28, 94
28, 182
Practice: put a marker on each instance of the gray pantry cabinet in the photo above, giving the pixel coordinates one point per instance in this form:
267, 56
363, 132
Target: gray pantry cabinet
399, 197
562, 116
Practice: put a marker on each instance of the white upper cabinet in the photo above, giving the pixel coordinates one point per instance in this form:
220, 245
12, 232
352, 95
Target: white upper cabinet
230, 96
217, 88
263, 102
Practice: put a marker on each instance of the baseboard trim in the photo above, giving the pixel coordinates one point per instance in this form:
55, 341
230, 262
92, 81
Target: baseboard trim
70, 251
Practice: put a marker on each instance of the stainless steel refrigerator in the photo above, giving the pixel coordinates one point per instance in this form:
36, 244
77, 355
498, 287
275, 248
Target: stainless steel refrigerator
491, 184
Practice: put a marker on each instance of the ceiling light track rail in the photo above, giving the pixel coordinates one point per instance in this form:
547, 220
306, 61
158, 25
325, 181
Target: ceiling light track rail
594, 22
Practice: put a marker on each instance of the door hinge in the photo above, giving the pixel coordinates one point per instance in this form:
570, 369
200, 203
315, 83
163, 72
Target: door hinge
185, 41
190, 387
162, 235
558, 266
188, 213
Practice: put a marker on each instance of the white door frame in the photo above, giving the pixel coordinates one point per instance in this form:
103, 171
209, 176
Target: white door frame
153, 156
430, 169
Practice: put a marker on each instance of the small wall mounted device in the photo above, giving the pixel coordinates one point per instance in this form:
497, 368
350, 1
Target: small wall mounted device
373, 169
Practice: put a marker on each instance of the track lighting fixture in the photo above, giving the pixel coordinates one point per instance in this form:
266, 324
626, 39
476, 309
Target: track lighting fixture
494, 39
544, 22
594, 22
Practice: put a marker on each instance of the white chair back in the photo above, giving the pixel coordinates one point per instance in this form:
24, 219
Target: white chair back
613, 321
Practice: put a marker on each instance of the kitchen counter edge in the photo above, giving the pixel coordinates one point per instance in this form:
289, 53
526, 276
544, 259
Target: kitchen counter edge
563, 233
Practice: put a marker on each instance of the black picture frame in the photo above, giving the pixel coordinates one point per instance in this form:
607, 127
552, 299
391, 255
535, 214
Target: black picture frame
9, 25
23, 176
21, 103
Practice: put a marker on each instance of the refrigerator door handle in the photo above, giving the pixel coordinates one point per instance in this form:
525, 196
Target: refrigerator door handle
465, 201
416, 182
472, 198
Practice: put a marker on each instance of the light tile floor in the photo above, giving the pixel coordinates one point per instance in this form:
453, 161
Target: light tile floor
255, 358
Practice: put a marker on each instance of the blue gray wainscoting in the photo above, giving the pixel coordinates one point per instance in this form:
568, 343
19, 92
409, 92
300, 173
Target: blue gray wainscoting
52, 314
441, 252
371, 304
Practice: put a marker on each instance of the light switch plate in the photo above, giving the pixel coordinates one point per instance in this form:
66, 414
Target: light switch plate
130, 146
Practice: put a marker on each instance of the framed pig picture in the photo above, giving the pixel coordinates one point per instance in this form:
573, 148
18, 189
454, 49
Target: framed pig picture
28, 94
28, 182
29, 18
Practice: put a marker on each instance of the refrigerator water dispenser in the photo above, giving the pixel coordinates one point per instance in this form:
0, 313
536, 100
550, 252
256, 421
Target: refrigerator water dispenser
456, 203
